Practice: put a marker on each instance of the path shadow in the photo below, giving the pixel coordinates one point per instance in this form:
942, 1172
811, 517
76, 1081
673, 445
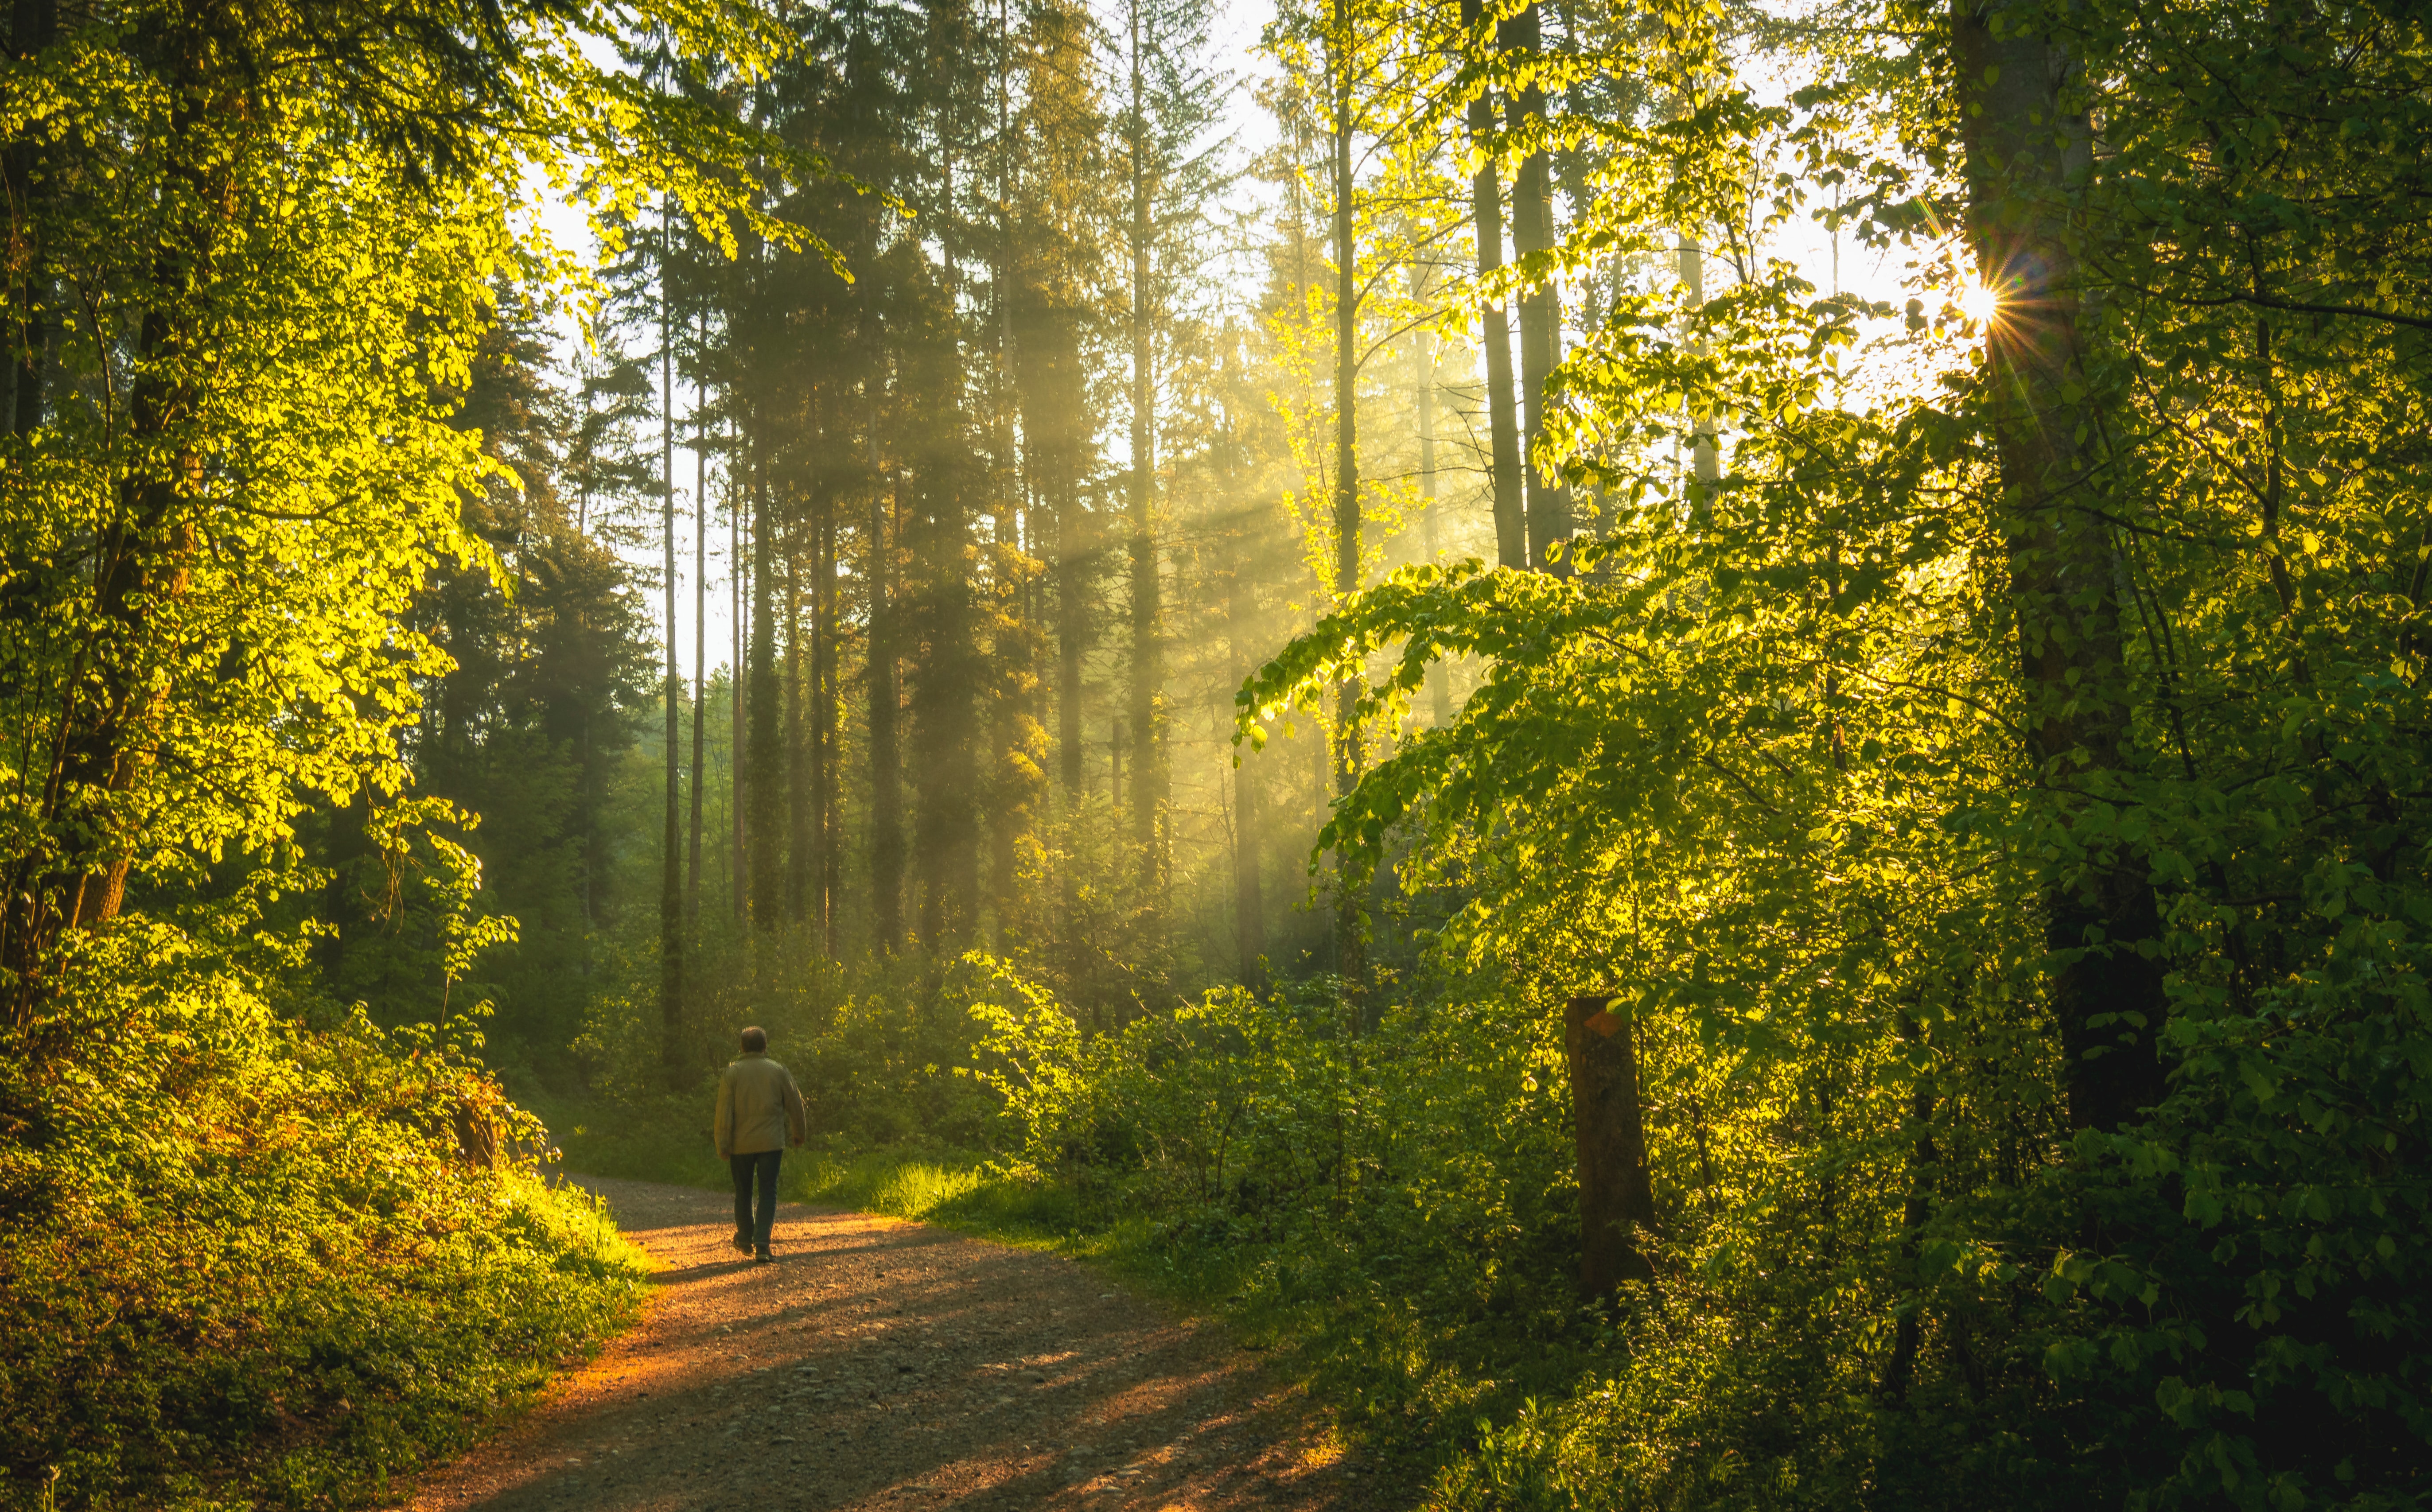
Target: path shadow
881, 1365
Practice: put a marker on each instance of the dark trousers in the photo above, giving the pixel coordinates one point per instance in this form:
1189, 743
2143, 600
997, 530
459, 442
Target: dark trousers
762, 1168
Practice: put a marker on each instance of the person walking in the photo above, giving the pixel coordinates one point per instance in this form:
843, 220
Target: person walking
759, 1114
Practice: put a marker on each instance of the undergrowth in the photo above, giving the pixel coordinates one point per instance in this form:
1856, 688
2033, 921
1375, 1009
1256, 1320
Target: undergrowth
254, 1265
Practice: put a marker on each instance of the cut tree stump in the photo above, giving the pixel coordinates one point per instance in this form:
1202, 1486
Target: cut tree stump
477, 1136
1616, 1200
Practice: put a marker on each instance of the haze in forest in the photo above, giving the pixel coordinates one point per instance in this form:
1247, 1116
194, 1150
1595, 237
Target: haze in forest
1682, 740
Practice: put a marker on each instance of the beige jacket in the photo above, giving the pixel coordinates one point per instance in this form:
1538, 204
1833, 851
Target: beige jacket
759, 1108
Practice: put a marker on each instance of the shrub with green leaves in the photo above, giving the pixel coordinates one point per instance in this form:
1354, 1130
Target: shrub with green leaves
248, 1260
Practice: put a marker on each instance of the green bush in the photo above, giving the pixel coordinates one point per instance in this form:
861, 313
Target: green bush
1397, 1200
250, 1262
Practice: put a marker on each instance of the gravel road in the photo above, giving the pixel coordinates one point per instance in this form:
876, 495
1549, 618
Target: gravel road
884, 1365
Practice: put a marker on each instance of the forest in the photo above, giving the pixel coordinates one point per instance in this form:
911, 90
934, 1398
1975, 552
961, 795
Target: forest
1687, 737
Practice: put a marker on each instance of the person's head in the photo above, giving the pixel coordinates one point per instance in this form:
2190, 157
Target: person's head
755, 1039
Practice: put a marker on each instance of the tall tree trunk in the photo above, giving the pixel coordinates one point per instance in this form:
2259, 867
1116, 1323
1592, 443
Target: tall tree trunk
1923, 1159
944, 705
1014, 814
2029, 153
1018, 776
1704, 459
1502, 426
765, 784
1148, 673
1249, 905
1071, 637
886, 776
1350, 918
826, 745
107, 726
699, 653
33, 26
103, 743
800, 796
671, 919
586, 823
1541, 326
737, 872
1439, 690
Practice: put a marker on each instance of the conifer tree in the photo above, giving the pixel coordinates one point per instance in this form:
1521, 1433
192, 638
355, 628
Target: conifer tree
1016, 781
1058, 224
1173, 174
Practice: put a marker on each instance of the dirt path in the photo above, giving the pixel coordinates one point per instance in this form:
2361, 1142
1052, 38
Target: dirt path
884, 1365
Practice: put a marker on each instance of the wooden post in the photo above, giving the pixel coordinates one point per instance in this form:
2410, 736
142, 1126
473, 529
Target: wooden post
1615, 1196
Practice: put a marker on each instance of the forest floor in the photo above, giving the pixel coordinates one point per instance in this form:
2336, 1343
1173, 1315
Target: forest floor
880, 1364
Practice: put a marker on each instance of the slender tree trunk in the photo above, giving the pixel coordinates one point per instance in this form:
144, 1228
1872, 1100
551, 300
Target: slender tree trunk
1249, 899
946, 676
2029, 151
826, 743
738, 873
1541, 328
944, 703
812, 822
586, 825
800, 794
765, 783
1923, 1158
1249, 905
1705, 461
1018, 758
700, 654
1502, 427
1439, 686
886, 775
671, 917
1014, 814
1350, 918
1148, 674
1071, 637
33, 26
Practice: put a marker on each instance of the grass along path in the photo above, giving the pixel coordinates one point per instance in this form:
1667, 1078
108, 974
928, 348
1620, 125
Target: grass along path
882, 1363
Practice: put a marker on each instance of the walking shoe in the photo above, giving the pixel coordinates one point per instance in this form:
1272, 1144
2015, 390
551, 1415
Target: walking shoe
742, 1241
762, 1258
